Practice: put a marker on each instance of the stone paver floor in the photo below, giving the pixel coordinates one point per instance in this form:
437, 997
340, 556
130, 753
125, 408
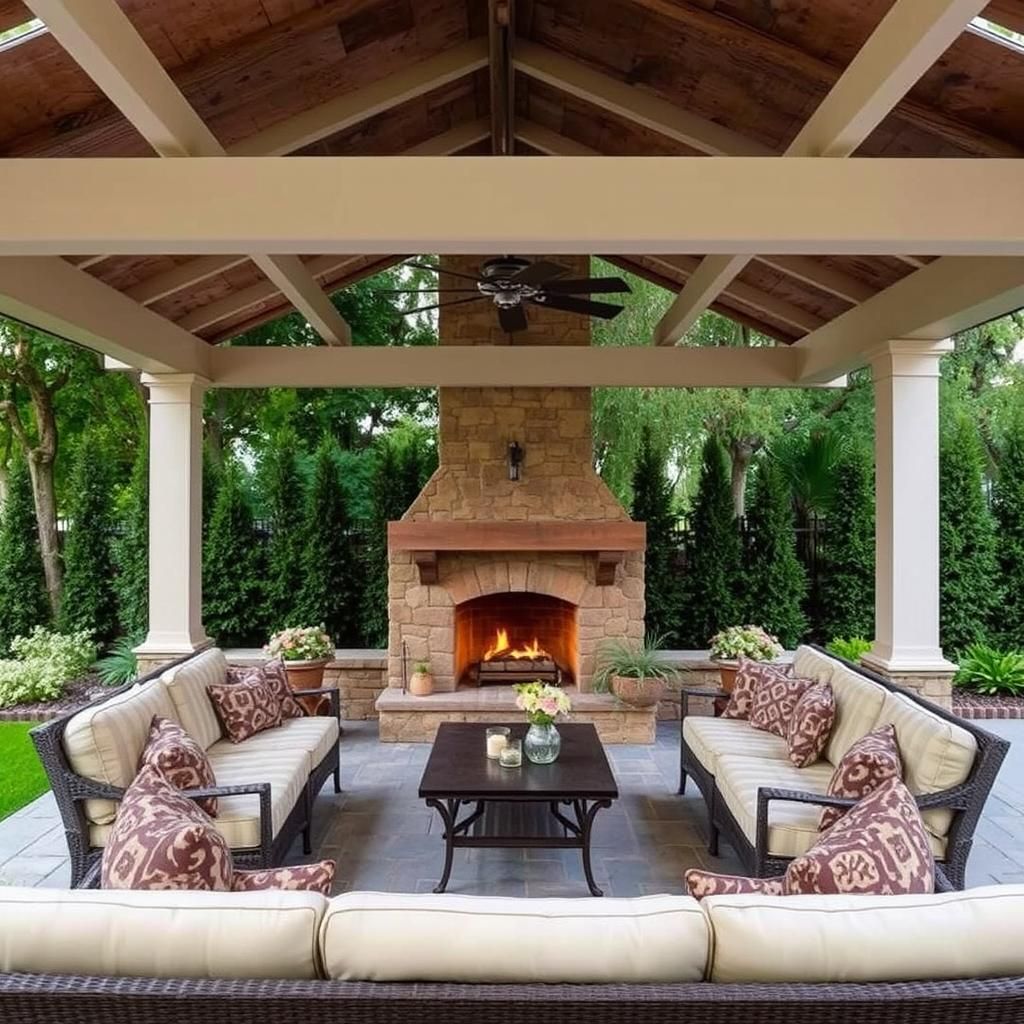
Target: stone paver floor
385, 839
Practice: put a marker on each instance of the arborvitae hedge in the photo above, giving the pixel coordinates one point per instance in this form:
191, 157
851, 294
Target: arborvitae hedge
286, 500
1009, 511
777, 583
131, 553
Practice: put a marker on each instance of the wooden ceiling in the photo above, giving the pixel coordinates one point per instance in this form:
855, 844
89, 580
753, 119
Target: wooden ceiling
758, 68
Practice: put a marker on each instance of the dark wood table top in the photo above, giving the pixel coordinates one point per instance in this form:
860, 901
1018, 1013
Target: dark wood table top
458, 767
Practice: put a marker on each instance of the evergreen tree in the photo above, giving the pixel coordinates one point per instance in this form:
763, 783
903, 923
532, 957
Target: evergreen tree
715, 596
1009, 510
233, 563
330, 591
777, 583
88, 601
286, 502
652, 504
410, 470
23, 601
848, 551
131, 553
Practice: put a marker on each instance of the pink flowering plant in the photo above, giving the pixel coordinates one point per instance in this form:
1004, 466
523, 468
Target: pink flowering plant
301, 643
542, 702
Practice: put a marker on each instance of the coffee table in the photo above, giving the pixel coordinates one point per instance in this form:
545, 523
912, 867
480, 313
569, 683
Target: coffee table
574, 789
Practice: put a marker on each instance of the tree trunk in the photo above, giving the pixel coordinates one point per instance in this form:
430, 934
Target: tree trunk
741, 454
44, 491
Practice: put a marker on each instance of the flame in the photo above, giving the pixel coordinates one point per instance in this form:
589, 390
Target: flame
502, 646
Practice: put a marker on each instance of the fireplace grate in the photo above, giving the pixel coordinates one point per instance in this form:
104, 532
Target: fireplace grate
506, 671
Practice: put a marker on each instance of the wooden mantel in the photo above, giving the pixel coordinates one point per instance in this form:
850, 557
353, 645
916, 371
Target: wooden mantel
607, 541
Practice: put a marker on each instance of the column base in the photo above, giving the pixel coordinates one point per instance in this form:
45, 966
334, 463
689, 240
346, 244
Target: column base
930, 677
155, 653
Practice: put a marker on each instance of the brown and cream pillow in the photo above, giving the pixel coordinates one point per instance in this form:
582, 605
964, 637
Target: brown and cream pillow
163, 840
701, 884
871, 761
181, 761
273, 675
245, 708
775, 697
878, 848
748, 678
317, 877
811, 724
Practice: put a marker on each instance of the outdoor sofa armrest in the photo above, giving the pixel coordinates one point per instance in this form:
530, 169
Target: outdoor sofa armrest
686, 693
330, 691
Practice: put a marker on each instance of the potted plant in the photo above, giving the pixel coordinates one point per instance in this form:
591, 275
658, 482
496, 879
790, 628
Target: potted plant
421, 682
750, 642
305, 651
543, 703
635, 671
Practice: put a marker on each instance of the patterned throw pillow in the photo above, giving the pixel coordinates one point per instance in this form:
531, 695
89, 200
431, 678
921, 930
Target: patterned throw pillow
878, 848
306, 877
701, 883
181, 761
774, 700
811, 724
273, 675
872, 760
748, 677
163, 840
245, 708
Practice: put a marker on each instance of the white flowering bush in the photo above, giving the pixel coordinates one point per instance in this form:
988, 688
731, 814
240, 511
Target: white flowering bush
44, 663
745, 642
301, 643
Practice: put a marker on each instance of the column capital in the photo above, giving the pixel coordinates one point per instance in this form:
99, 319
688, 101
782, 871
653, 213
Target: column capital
175, 388
908, 357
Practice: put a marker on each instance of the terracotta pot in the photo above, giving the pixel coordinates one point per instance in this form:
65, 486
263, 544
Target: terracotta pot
727, 670
639, 693
307, 675
421, 684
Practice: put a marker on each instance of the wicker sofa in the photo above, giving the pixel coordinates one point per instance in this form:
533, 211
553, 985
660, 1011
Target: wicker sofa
288, 957
768, 810
266, 785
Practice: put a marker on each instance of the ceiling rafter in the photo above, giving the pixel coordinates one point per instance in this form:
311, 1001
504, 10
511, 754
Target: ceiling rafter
501, 35
184, 275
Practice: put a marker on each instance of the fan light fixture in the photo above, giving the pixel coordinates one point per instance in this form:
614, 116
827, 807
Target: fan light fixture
515, 460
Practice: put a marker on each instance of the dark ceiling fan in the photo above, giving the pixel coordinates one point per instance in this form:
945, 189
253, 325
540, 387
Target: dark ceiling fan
512, 283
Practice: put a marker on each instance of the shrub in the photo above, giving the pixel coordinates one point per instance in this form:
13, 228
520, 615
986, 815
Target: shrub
991, 671
44, 663
121, 664
131, 552
852, 649
286, 500
1009, 511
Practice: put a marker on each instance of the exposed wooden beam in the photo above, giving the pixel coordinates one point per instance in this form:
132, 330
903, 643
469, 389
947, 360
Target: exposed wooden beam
544, 140
454, 140
361, 104
182, 276
490, 366
501, 34
54, 296
842, 285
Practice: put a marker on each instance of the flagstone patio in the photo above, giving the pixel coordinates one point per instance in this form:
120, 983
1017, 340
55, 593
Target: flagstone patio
385, 839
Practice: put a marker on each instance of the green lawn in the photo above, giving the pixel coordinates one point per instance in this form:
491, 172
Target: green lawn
22, 778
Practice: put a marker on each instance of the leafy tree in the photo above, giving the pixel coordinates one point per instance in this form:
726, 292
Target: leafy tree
131, 553
777, 583
652, 504
233, 563
23, 603
286, 494
88, 602
1009, 511
331, 588
715, 573
848, 551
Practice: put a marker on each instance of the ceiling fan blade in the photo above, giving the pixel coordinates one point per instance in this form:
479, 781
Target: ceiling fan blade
440, 270
539, 272
512, 319
442, 305
583, 285
604, 310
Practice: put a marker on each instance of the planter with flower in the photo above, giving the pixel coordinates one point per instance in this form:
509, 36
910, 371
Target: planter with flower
635, 671
750, 642
543, 704
305, 651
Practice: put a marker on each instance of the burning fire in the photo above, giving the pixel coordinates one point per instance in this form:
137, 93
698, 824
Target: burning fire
502, 647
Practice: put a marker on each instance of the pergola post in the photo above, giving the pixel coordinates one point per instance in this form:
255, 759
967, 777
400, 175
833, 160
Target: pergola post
175, 518
907, 648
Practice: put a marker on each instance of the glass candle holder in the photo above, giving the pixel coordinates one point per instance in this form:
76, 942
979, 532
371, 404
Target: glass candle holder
511, 755
497, 738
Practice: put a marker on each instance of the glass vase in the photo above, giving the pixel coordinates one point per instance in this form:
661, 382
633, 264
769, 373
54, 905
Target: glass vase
542, 744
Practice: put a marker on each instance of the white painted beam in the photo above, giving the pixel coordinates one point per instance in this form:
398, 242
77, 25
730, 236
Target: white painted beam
297, 285
548, 142
456, 139
706, 283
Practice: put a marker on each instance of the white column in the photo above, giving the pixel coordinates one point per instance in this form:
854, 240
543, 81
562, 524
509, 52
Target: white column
175, 515
906, 382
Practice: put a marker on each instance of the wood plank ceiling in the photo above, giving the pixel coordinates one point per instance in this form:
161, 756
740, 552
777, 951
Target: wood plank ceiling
755, 69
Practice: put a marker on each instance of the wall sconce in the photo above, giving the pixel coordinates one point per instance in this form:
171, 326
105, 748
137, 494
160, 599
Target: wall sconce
515, 460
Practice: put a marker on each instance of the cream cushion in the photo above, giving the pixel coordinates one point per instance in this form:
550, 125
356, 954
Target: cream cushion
709, 738
187, 683
973, 934
396, 937
314, 736
160, 934
104, 742
811, 664
858, 705
936, 754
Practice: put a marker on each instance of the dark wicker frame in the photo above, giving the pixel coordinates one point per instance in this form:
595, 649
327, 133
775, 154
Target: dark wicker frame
71, 791
966, 801
40, 999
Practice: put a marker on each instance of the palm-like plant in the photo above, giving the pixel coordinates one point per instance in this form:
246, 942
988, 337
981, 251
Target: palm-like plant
120, 665
633, 660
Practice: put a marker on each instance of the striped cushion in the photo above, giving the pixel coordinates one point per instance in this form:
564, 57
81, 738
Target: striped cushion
811, 664
709, 738
315, 736
105, 742
858, 704
187, 683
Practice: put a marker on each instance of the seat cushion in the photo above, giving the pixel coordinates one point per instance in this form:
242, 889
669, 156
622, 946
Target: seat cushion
978, 933
936, 754
859, 702
316, 736
187, 683
811, 664
160, 934
709, 738
104, 742
173, 753
400, 937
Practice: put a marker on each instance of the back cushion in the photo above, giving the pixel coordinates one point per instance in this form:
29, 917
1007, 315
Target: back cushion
160, 934
187, 683
811, 664
396, 937
858, 704
973, 934
104, 742
936, 754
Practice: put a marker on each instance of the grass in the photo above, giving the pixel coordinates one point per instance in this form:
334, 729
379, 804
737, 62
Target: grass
22, 778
